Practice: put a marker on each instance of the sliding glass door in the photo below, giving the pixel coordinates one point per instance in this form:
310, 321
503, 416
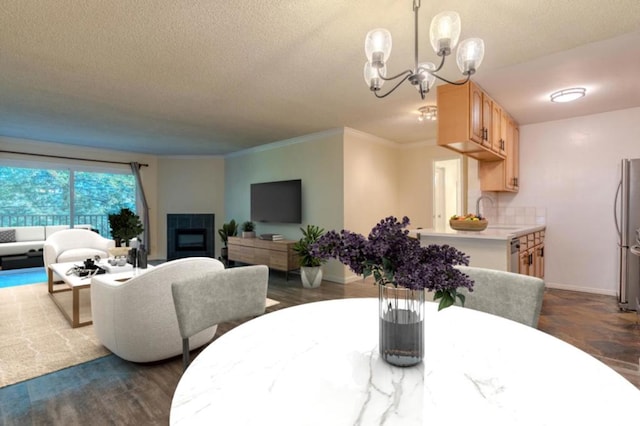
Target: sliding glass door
35, 196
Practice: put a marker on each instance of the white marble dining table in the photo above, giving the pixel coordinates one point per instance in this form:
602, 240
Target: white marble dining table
318, 364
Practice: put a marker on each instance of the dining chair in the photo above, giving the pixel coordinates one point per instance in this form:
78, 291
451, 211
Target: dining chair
216, 297
513, 296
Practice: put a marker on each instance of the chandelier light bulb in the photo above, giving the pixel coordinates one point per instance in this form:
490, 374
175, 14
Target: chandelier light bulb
372, 76
444, 32
426, 80
377, 46
469, 55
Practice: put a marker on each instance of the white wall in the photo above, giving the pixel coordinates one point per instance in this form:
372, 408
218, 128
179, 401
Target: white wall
317, 159
190, 185
371, 181
416, 180
571, 167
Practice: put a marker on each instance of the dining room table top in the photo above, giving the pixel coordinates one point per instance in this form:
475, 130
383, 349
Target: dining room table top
319, 364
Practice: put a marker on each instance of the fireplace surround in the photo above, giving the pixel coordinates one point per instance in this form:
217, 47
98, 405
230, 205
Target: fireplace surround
189, 235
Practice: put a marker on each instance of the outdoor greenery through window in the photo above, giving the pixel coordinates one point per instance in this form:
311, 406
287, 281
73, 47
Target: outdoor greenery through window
36, 197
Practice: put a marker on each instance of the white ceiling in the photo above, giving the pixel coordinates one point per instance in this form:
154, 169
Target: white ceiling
174, 77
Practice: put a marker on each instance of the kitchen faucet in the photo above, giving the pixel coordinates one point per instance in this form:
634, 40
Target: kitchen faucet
478, 203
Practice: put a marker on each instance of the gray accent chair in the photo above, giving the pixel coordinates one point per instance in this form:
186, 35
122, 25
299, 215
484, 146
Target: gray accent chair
513, 296
216, 297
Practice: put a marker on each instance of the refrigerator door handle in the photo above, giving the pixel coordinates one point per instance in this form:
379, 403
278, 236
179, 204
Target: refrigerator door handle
615, 212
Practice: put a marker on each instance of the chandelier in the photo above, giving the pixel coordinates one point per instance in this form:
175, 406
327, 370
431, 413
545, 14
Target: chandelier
428, 113
443, 33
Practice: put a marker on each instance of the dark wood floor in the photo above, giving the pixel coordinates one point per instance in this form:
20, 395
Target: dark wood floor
110, 391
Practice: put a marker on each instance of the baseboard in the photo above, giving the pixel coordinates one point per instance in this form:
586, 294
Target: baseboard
582, 289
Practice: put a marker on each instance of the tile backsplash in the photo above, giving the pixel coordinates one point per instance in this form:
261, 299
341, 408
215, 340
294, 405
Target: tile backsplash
515, 215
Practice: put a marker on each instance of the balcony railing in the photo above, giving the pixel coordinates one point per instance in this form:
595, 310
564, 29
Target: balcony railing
97, 221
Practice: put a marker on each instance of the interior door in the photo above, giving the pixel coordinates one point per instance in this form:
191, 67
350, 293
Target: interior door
447, 191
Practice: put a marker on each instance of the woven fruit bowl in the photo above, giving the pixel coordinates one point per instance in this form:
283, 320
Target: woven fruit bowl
468, 225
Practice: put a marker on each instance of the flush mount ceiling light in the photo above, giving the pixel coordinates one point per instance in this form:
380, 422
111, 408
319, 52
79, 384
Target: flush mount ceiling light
428, 112
568, 95
444, 33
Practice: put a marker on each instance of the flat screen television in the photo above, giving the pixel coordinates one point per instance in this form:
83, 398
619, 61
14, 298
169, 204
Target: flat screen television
279, 202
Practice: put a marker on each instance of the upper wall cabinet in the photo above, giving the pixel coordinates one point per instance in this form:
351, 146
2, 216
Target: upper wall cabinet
465, 116
503, 175
471, 123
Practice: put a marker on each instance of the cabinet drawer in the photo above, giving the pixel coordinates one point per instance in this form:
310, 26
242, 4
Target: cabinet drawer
278, 260
241, 254
237, 241
234, 252
523, 244
261, 256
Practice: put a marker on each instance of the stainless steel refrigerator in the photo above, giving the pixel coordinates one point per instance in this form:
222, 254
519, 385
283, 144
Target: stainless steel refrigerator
627, 219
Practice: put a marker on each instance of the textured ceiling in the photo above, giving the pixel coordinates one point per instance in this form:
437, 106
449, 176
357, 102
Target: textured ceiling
212, 77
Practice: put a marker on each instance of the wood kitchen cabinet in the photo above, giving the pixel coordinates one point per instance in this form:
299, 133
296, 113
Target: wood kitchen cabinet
502, 175
532, 254
539, 257
465, 116
525, 259
470, 122
499, 125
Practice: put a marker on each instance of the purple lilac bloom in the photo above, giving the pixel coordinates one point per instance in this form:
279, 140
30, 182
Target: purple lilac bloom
393, 257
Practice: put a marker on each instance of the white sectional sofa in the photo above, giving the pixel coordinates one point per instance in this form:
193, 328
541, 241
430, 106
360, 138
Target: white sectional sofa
28, 239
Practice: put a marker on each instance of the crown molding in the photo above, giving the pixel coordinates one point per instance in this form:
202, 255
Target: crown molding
293, 141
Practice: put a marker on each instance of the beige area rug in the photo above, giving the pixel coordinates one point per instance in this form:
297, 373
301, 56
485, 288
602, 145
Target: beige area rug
271, 302
36, 339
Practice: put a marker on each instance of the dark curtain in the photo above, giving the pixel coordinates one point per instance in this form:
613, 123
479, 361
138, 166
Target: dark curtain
146, 239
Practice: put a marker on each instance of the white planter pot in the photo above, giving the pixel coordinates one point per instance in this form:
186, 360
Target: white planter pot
311, 276
249, 234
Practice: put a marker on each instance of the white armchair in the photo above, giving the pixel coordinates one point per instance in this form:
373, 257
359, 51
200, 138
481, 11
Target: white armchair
136, 320
73, 245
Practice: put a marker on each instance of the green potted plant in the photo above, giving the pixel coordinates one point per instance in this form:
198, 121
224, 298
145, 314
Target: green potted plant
248, 229
310, 265
228, 230
124, 226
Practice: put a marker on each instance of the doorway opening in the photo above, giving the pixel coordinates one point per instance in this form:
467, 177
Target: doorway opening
447, 191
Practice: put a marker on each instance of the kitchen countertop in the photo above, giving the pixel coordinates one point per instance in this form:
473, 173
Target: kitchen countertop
493, 232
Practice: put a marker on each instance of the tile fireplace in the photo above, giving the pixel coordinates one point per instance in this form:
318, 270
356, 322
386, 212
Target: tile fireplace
189, 235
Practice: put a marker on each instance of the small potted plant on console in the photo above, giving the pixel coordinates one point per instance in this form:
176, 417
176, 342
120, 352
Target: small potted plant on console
310, 266
228, 230
248, 229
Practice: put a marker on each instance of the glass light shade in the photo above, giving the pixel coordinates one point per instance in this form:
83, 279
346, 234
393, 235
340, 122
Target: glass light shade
378, 40
428, 113
568, 95
428, 79
372, 77
444, 32
470, 54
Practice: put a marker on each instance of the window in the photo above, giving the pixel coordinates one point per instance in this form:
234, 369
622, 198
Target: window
49, 196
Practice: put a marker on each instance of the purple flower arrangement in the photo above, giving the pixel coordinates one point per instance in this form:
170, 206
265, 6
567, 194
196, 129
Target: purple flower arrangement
395, 258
